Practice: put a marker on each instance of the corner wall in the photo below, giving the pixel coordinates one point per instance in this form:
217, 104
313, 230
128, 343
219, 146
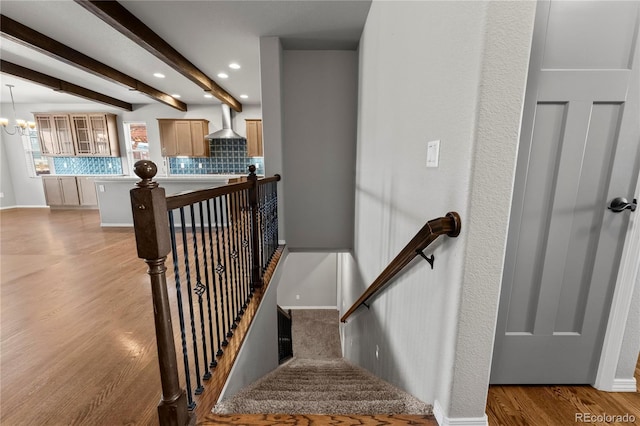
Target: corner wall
454, 72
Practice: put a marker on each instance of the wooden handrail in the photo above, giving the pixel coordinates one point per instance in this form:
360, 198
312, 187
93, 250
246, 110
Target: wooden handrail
284, 313
449, 225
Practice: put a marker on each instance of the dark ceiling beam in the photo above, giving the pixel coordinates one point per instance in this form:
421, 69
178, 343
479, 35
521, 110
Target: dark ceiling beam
61, 85
26, 36
116, 15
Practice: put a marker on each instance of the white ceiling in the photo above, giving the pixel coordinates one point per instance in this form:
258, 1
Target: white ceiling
210, 34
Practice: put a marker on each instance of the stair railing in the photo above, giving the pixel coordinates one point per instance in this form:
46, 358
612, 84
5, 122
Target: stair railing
448, 225
219, 242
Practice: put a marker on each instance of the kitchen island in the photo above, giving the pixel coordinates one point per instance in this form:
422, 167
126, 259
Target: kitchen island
115, 204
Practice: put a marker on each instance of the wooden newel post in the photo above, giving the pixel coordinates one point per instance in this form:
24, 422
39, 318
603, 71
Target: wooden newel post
256, 276
151, 224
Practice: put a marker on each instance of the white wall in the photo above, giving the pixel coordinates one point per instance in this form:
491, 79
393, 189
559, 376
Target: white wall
28, 191
312, 277
8, 198
271, 96
453, 71
319, 101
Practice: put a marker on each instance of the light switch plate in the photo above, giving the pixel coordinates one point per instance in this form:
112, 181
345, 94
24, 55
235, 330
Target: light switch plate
433, 153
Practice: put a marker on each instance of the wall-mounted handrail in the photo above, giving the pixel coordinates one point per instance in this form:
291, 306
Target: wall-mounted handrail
448, 225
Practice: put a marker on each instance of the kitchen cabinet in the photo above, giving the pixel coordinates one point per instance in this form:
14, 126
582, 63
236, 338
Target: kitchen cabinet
184, 137
95, 135
254, 138
55, 134
81, 134
87, 191
61, 190
70, 191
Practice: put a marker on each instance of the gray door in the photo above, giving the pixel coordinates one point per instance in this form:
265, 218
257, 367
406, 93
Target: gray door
579, 149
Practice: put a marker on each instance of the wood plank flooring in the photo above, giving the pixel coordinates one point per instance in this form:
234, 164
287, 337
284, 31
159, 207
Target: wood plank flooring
558, 405
77, 342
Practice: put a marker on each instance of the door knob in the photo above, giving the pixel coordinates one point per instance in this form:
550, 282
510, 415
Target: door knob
620, 204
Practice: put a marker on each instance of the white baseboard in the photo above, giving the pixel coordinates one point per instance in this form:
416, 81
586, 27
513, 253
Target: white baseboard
23, 207
309, 307
442, 420
624, 385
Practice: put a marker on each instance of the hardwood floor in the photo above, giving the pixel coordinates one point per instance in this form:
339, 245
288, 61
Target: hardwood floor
560, 405
77, 341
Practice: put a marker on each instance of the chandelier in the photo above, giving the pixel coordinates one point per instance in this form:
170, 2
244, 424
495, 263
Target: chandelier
21, 126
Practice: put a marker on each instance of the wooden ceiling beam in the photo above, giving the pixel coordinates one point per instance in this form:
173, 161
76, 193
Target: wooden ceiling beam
116, 15
26, 36
61, 85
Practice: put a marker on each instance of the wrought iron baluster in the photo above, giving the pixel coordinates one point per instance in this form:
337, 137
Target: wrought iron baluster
231, 258
183, 333
225, 256
246, 259
213, 284
185, 247
220, 268
200, 289
207, 290
236, 255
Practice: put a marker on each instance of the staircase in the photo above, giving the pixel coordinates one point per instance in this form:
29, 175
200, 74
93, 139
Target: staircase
319, 387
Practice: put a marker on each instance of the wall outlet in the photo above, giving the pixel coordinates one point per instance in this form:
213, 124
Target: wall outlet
297, 297
199, 165
1, 194
101, 188
182, 165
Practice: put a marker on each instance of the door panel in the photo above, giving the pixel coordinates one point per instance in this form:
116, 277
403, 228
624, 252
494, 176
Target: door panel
579, 149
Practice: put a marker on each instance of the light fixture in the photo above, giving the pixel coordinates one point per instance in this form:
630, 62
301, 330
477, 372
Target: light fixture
208, 96
21, 126
223, 75
234, 66
175, 95
158, 75
244, 96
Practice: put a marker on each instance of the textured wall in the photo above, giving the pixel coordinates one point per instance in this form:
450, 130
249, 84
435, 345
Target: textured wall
319, 95
458, 70
312, 276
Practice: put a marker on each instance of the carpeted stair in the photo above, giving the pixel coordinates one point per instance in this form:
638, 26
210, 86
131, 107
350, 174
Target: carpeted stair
321, 383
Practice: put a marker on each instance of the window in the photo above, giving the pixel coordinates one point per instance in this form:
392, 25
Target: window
37, 164
137, 142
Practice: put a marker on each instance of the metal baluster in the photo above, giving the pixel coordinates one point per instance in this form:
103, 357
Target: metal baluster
207, 290
200, 289
246, 259
220, 268
183, 334
236, 255
240, 227
230, 225
215, 291
263, 227
185, 247
225, 214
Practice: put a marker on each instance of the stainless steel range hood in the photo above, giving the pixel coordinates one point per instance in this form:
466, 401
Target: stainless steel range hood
227, 131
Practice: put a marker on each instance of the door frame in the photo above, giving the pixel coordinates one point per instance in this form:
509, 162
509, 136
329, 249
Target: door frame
619, 313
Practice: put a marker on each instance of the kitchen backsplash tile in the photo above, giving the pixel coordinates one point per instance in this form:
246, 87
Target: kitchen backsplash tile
87, 165
227, 156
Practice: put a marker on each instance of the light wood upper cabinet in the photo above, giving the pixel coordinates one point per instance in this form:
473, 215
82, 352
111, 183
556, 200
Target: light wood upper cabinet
184, 137
82, 134
254, 138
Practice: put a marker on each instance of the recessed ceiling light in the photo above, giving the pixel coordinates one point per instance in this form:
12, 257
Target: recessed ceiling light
158, 74
175, 95
223, 75
234, 66
208, 96
244, 96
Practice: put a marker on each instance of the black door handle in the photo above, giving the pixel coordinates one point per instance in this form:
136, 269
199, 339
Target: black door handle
620, 204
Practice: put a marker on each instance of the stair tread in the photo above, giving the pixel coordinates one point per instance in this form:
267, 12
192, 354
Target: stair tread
315, 419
